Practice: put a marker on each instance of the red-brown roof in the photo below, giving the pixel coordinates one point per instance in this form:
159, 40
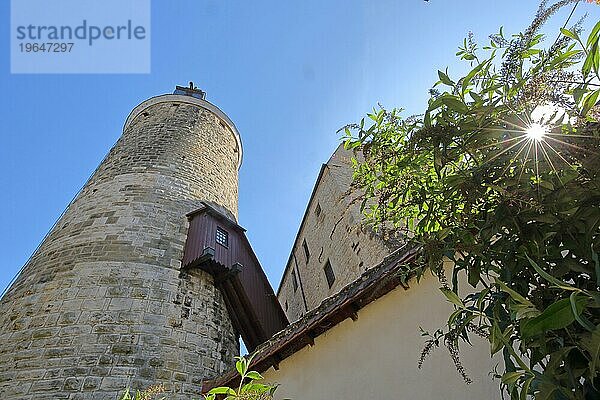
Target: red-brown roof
371, 285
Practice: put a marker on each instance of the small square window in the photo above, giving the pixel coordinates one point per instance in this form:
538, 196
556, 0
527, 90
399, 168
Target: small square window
222, 237
329, 274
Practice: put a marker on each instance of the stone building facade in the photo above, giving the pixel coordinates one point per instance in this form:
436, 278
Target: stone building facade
102, 303
332, 247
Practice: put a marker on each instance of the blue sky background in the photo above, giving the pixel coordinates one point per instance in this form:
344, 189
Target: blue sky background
289, 74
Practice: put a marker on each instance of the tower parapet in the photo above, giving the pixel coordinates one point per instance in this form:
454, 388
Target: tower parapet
102, 304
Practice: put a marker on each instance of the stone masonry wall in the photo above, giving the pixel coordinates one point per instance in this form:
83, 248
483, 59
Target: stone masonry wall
102, 305
332, 232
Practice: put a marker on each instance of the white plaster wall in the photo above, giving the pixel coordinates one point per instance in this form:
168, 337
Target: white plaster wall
376, 356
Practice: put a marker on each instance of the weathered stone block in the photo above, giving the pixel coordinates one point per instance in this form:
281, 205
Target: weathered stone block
114, 383
47, 386
91, 383
72, 384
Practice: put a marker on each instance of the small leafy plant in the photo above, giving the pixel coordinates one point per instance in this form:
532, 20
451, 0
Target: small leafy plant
147, 394
248, 388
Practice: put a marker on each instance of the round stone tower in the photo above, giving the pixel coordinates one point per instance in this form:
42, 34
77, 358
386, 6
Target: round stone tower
102, 305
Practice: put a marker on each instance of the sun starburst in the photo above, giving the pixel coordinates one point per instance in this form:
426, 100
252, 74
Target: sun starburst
536, 144
536, 132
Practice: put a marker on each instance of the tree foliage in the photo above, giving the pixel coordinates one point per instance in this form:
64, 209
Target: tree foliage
513, 200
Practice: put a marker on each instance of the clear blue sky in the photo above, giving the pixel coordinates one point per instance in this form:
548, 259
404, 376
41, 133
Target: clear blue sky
289, 74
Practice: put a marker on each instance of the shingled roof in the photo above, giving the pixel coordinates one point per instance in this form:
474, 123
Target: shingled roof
371, 285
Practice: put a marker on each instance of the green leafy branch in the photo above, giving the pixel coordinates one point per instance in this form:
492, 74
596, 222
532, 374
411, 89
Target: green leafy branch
517, 215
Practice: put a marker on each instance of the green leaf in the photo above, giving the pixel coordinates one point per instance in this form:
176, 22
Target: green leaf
452, 297
476, 97
569, 34
435, 103
466, 81
255, 388
525, 388
589, 61
239, 366
222, 390
566, 57
474, 274
126, 395
510, 378
524, 311
556, 316
445, 79
499, 339
427, 119
254, 375
454, 103
512, 293
558, 283
579, 318
495, 342
590, 101
593, 34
